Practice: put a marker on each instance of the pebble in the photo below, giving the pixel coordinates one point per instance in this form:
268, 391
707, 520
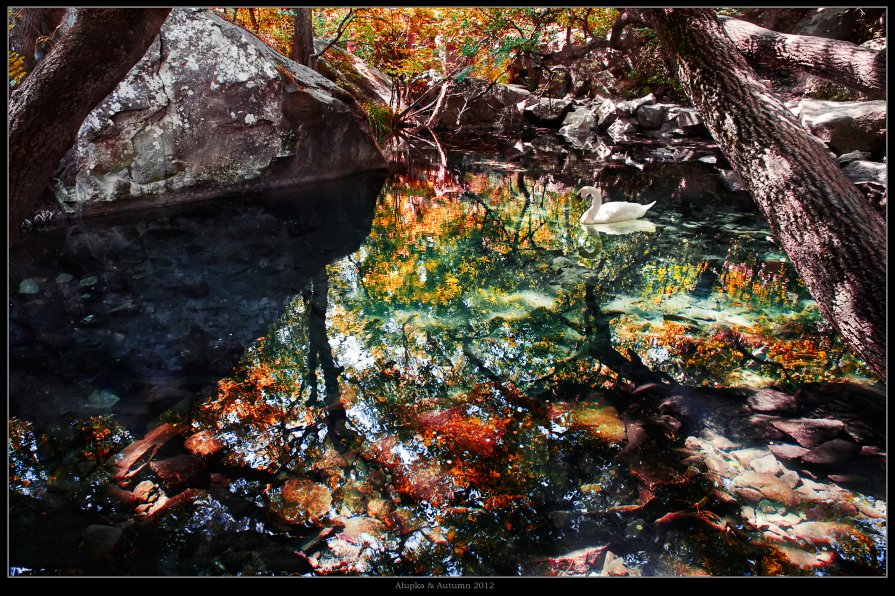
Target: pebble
790, 478
766, 465
147, 491
29, 286
745, 456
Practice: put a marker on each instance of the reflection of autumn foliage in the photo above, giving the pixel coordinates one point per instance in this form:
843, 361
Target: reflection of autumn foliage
102, 436
23, 454
462, 432
243, 398
250, 405
418, 479
745, 280
717, 353
667, 279
440, 249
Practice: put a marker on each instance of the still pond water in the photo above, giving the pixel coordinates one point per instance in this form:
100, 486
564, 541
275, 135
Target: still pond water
441, 373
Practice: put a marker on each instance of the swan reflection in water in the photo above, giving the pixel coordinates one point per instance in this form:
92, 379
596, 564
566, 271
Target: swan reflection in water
591, 244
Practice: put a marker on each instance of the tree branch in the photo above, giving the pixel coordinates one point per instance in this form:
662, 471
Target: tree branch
838, 61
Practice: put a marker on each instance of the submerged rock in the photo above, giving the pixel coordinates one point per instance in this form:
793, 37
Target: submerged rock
806, 559
771, 400
755, 486
180, 471
302, 501
204, 443
599, 419
29, 286
99, 542
831, 452
355, 549
211, 110
788, 452
578, 562
810, 432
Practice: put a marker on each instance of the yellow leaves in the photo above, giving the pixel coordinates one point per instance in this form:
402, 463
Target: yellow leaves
16, 68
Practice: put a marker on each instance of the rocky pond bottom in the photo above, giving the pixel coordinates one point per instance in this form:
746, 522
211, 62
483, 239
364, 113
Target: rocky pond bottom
443, 374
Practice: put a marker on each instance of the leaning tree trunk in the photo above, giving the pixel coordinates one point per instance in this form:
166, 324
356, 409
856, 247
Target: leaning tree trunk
837, 61
47, 111
836, 241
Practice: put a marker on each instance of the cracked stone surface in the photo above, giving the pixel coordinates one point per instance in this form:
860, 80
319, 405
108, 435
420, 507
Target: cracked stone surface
208, 111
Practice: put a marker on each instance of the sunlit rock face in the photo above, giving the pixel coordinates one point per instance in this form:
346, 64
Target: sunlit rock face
208, 111
846, 125
478, 105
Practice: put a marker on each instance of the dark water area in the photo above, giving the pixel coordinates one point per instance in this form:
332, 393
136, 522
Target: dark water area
440, 373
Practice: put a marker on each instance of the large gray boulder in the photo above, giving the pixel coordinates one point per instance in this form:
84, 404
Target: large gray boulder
475, 104
845, 23
579, 128
652, 116
846, 126
867, 171
607, 112
548, 111
622, 129
211, 111
630, 107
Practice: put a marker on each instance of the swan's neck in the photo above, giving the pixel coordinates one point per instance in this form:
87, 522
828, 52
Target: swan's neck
598, 201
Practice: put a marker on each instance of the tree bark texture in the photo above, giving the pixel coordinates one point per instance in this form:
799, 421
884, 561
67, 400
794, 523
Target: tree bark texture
838, 61
47, 111
303, 39
836, 241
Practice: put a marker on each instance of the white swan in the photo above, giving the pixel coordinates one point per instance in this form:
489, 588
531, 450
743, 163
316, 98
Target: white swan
603, 213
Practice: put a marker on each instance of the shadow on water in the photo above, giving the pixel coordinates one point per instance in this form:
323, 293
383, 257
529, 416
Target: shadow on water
153, 310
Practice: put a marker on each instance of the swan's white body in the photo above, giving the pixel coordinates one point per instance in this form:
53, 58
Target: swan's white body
616, 211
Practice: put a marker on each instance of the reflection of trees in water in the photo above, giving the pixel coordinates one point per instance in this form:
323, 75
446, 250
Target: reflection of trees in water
316, 298
599, 343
